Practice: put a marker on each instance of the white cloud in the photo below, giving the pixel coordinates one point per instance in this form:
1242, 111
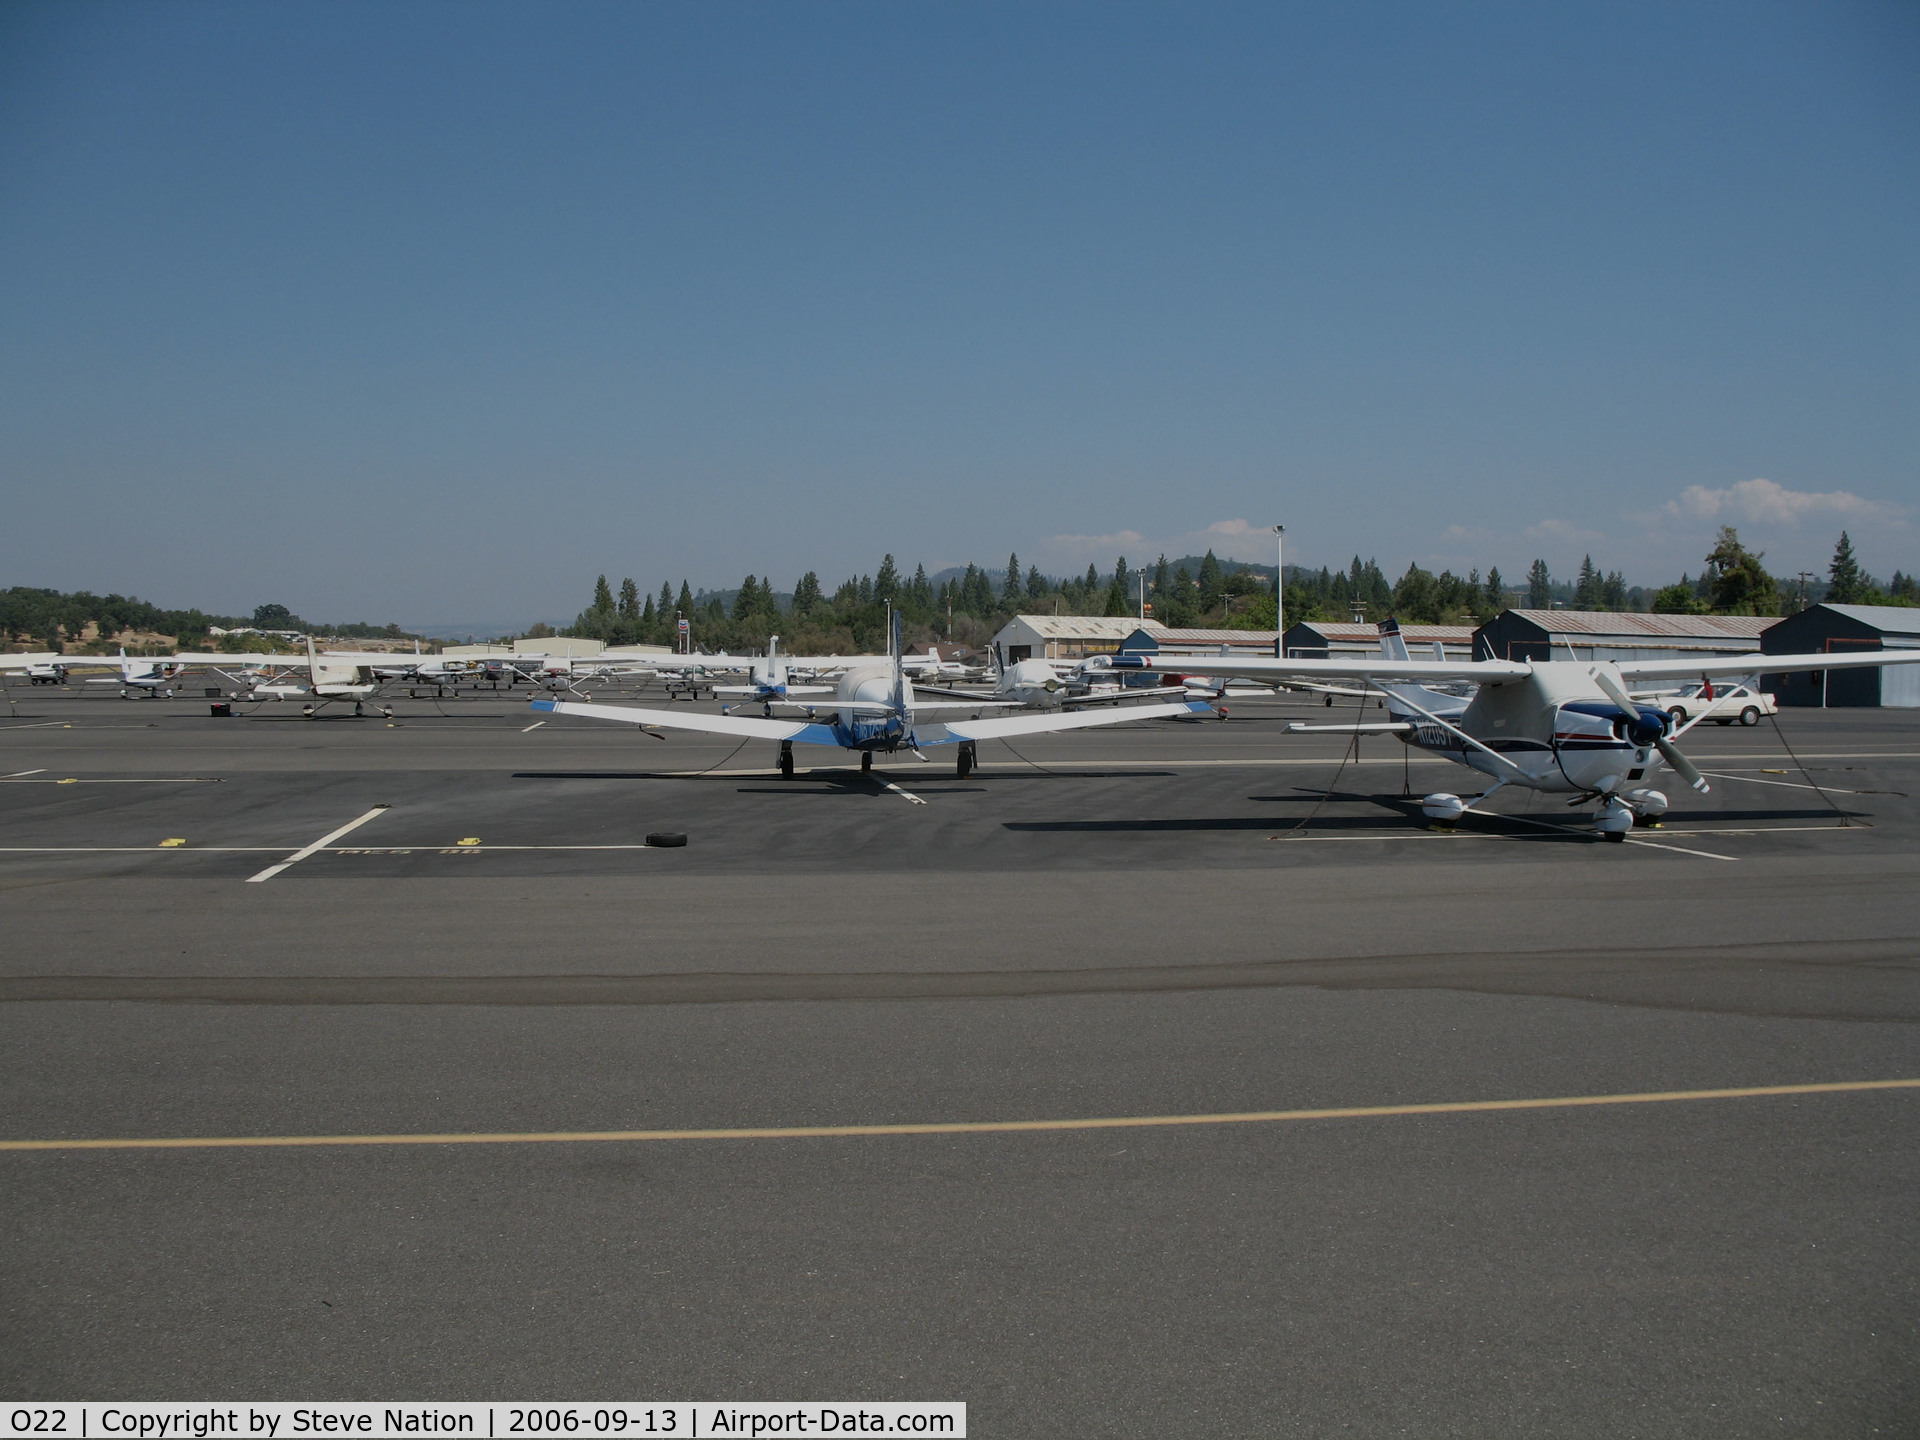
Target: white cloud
1561, 532
1232, 539
1764, 502
1097, 544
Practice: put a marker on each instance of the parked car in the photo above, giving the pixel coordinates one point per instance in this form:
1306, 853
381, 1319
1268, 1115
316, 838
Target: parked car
1727, 704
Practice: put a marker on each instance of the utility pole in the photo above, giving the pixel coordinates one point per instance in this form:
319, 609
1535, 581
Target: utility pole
1143, 594
1805, 575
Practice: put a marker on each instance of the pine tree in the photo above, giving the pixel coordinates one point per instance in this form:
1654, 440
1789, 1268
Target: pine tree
1586, 590
686, 600
1539, 586
1117, 599
746, 605
1036, 583
648, 615
1613, 591
665, 607
1160, 575
1012, 588
1496, 591
806, 595
629, 600
1211, 580
1845, 584
602, 596
886, 584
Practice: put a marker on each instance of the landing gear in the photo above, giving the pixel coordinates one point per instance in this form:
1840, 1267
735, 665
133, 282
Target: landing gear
866, 762
1614, 820
963, 764
786, 759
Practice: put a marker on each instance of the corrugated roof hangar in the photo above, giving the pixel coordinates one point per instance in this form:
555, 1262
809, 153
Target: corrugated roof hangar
1615, 635
1824, 629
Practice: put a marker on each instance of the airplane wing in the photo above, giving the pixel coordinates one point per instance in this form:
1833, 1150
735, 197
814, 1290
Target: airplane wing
1000, 729
1756, 663
745, 727
1266, 667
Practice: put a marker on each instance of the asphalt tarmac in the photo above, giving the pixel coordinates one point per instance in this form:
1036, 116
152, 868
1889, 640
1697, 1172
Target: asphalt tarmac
1161, 920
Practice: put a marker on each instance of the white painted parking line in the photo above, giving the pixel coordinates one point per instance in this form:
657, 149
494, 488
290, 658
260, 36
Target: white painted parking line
1682, 849
76, 780
1785, 784
37, 725
20, 774
535, 726
320, 844
1593, 834
906, 795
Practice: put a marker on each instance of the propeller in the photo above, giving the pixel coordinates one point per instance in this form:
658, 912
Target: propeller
1669, 751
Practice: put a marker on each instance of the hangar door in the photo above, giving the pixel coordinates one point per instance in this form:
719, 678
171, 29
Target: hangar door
1900, 684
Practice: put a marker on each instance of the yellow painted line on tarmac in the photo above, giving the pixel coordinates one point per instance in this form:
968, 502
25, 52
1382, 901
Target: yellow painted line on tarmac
961, 1127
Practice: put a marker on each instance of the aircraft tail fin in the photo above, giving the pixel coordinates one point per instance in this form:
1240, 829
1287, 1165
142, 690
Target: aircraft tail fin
313, 663
899, 697
1392, 647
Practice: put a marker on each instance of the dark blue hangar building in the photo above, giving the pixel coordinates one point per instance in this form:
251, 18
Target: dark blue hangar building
1827, 629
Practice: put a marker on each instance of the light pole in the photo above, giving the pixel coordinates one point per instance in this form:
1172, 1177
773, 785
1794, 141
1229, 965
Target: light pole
1279, 584
1143, 594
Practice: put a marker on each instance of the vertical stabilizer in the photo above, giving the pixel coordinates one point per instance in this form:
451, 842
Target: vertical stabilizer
1392, 647
899, 671
313, 663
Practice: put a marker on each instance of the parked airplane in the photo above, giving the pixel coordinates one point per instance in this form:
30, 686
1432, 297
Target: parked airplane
1558, 726
875, 711
769, 681
335, 678
154, 678
1042, 685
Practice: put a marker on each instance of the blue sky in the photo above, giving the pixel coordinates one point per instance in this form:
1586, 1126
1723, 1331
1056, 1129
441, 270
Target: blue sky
430, 313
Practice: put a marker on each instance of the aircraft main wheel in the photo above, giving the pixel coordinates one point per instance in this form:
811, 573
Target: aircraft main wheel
786, 760
1678, 714
866, 762
963, 765
1614, 837
1750, 716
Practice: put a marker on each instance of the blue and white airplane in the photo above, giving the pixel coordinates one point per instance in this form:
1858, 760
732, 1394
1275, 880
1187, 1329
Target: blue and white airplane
769, 682
874, 711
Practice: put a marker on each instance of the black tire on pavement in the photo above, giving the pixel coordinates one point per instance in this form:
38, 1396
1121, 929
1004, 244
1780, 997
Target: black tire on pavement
666, 839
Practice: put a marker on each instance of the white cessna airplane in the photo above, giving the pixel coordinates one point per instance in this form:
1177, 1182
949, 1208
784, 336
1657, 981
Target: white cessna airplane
154, 678
328, 680
874, 710
1560, 726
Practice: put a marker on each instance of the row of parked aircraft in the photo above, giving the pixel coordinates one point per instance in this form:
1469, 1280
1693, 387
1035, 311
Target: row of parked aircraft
1567, 727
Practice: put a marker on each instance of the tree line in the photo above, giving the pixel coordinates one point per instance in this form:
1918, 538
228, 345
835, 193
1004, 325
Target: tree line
42, 619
